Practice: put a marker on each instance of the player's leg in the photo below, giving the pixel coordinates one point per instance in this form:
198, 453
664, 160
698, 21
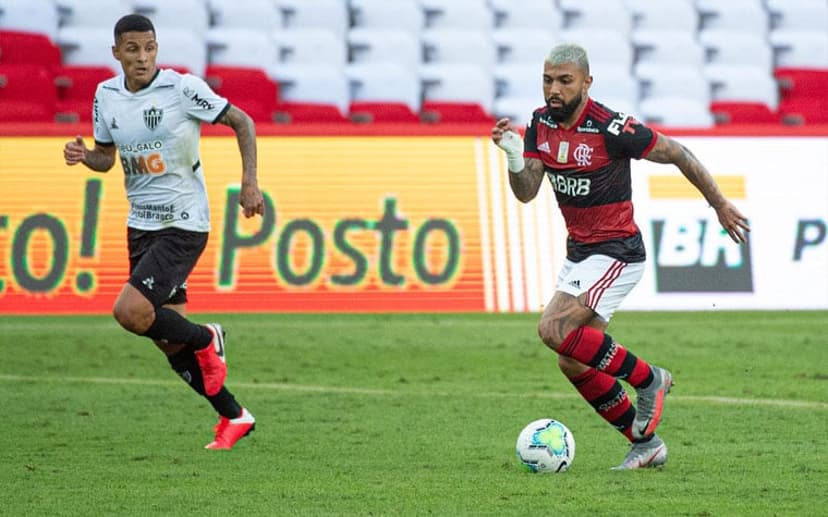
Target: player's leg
235, 421
159, 265
596, 287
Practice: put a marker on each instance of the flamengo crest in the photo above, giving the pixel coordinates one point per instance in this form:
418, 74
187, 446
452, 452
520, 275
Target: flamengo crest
152, 117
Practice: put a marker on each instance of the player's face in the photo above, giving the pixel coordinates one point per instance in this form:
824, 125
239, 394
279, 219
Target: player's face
137, 52
565, 88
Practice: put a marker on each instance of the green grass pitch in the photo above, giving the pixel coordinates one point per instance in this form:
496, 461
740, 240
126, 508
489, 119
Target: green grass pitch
409, 415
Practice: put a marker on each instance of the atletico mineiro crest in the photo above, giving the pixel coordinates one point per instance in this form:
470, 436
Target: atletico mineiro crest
152, 117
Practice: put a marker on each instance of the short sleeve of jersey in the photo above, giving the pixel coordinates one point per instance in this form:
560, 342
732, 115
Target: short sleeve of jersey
99, 127
626, 137
530, 139
200, 101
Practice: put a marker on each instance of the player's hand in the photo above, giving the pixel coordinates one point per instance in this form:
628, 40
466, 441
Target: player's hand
733, 221
500, 129
74, 152
251, 201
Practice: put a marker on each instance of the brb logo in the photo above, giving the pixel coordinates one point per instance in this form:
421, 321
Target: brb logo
697, 255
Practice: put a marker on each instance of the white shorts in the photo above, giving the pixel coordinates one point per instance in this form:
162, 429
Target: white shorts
605, 280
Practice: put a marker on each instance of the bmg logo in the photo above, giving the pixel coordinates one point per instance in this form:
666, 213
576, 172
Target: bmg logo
698, 256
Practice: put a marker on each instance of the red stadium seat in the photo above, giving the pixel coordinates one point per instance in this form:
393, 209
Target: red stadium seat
27, 48
804, 111
308, 113
742, 113
386, 112
27, 94
76, 89
454, 112
248, 88
802, 82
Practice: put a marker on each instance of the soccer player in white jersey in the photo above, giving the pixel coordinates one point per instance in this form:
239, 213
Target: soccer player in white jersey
152, 118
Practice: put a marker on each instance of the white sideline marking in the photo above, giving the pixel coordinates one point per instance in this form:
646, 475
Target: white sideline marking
280, 386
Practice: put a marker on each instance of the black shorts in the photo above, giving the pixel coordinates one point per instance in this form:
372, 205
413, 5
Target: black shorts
160, 262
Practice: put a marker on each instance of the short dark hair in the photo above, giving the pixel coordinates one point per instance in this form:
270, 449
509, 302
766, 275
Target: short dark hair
133, 23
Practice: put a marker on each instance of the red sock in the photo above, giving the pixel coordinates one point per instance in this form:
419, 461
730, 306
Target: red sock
597, 349
609, 399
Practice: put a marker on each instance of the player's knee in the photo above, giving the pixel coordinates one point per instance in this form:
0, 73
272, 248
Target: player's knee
549, 333
134, 319
570, 367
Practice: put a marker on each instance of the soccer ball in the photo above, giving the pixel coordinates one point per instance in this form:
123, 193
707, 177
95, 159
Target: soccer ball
545, 445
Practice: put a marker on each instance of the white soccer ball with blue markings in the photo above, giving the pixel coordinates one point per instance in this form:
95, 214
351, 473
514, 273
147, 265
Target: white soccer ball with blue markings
545, 445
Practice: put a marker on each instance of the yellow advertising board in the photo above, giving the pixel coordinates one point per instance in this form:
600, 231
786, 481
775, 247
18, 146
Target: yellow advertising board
352, 224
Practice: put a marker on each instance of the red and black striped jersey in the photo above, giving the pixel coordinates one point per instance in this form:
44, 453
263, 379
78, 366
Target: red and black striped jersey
588, 166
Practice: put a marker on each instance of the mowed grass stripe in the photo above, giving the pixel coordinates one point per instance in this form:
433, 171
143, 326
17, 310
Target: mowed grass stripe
279, 386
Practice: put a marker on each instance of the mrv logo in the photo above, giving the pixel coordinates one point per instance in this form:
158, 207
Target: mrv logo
696, 256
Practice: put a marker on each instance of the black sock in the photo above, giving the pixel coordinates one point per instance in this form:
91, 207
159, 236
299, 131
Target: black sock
172, 327
186, 366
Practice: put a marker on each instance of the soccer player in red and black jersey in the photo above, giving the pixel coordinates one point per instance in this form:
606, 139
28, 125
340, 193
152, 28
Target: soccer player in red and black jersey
584, 149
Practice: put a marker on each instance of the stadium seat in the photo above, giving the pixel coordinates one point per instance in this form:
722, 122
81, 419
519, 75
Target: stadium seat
793, 15
799, 111
182, 49
457, 83
309, 113
27, 48
378, 83
38, 16
76, 87
518, 109
530, 14
401, 15
261, 15
676, 112
312, 46
377, 44
726, 112
595, 15
27, 94
519, 45
664, 80
466, 46
102, 14
332, 15
799, 48
667, 47
745, 83
454, 112
673, 15
248, 88
458, 14
735, 47
519, 80
309, 85
237, 46
802, 83
748, 16
614, 81
87, 46
606, 45
191, 15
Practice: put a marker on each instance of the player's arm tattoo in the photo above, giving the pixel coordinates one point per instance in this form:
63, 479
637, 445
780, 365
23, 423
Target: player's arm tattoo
245, 131
101, 158
668, 150
525, 185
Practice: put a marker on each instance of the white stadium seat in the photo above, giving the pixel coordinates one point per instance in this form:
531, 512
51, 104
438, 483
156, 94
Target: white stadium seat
728, 46
739, 15
92, 13
248, 14
743, 83
468, 46
800, 48
236, 46
405, 15
519, 80
312, 46
518, 109
605, 45
528, 14
458, 14
595, 15
332, 15
517, 45
677, 80
40, 16
313, 84
808, 15
667, 47
87, 46
180, 47
458, 83
676, 111
384, 82
378, 44
192, 15
676, 15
